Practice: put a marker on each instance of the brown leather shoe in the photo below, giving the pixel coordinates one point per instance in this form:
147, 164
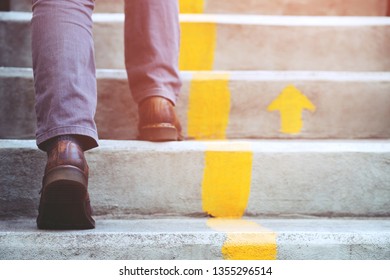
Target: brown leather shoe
65, 200
158, 120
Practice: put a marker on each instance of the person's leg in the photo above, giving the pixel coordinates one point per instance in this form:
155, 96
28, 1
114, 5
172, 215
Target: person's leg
64, 70
152, 42
65, 88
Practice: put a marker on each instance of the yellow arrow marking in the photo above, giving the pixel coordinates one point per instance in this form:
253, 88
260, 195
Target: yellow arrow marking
227, 179
191, 6
209, 106
291, 102
198, 41
245, 240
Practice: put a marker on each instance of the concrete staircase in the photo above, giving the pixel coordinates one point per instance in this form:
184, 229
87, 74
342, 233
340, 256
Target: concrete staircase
301, 90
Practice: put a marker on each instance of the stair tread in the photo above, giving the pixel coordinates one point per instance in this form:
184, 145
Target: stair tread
176, 224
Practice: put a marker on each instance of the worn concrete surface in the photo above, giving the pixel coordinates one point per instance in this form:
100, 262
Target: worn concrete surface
261, 7
243, 42
17, 106
184, 238
348, 105
322, 178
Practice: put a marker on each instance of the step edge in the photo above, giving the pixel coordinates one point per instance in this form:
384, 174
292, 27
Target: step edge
250, 75
257, 146
229, 19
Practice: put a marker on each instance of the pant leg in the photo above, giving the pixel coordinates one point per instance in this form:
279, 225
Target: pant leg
152, 39
64, 70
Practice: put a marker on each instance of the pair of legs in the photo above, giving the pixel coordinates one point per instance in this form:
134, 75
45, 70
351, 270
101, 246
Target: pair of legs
66, 95
64, 66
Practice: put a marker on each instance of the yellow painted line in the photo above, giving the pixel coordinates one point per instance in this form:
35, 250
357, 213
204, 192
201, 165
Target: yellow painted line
291, 102
227, 179
197, 45
225, 194
246, 240
209, 106
191, 6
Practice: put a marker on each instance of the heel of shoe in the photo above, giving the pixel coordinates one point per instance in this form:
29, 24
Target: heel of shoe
65, 216
65, 173
64, 200
159, 133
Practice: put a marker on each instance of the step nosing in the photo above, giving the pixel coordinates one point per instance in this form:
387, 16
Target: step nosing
273, 20
250, 75
287, 20
261, 146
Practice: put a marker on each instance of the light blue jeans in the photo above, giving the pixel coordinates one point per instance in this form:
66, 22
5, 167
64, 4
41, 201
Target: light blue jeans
64, 66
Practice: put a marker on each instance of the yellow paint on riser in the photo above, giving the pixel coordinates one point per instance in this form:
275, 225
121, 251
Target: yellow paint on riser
227, 179
246, 240
225, 194
191, 6
209, 106
291, 102
197, 45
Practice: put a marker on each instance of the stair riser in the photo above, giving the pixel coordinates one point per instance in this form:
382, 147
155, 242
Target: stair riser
347, 105
263, 7
239, 45
145, 178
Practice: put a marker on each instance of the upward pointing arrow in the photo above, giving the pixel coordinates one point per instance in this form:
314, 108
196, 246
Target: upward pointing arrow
291, 102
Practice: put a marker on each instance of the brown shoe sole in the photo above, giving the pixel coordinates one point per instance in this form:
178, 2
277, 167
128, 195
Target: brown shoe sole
64, 203
159, 133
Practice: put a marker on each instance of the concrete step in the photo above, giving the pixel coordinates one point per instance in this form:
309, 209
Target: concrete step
261, 7
347, 105
201, 239
233, 42
217, 178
